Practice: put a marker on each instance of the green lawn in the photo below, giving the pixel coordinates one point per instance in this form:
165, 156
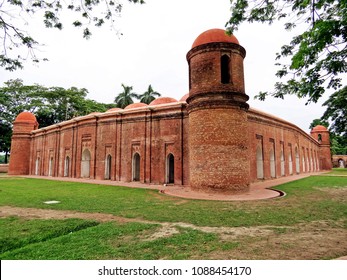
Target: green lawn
269, 229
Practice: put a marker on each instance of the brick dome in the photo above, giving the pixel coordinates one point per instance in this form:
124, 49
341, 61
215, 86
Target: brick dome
136, 105
184, 97
26, 117
162, 100
319, 128
114, 109
214, 36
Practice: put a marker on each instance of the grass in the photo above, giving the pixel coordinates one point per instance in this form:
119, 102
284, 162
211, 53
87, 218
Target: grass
114, 241
316, 199
338, 172
17, 233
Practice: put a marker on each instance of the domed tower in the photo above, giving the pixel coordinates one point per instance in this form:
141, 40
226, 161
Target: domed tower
217, 108
322, 135
20, 143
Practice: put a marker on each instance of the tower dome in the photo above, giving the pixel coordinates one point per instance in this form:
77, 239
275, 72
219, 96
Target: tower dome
319, 128
26, 117
214, 36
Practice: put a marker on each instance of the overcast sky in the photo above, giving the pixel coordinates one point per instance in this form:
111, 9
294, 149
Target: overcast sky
152, 50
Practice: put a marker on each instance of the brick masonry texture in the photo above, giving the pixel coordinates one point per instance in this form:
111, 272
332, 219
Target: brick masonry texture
212, 142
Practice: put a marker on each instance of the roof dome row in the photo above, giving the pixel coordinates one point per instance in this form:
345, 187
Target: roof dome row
157, 101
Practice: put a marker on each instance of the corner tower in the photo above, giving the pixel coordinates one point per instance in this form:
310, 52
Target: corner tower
322, 135
20, 143
217, 108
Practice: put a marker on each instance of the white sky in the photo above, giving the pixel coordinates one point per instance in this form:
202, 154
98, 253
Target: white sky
156, 38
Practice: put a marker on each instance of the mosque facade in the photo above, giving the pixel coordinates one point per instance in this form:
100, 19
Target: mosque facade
209, 140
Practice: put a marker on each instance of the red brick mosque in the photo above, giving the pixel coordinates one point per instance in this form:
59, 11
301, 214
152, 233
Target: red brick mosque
209, 140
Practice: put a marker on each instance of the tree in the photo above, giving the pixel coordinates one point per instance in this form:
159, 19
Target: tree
125, 97
60, 104
50, 106
16, 97
334, 117
318, 55
16, 14
338, 145
316, 122
149, 95
5, 139
336, 111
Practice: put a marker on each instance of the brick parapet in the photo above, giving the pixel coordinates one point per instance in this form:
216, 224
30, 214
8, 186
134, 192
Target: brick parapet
256, 116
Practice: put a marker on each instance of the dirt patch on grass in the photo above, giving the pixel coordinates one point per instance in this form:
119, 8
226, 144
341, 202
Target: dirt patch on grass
35, 213
336, 193
313, 240
166, 229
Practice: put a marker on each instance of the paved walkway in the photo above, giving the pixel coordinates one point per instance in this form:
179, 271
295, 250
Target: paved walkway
258, 190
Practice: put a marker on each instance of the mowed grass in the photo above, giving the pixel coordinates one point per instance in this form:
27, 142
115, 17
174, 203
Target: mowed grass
107, 241
309, 200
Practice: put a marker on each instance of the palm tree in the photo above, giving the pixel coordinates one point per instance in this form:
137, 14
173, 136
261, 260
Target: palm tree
125, 98
149, 95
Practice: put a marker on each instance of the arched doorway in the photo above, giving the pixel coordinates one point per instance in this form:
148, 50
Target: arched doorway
50, 167
297, 161
108, 162
85, 164
282, 164
260, 163
341, 163
303, 162
290, 162
67, 166
37, 166
272, 164
136, 167
170, 169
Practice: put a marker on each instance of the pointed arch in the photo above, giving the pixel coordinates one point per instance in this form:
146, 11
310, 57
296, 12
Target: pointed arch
37, 166
282, 163
85, 164
50, 166
170, 169
297, 161
290, 163
225, 69
260, 163
108, 164
67, 166
136, 167
272, 163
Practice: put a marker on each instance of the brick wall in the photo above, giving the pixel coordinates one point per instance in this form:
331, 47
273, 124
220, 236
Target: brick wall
112, 140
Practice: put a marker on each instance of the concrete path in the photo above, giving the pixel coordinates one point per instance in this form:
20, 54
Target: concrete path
258, 190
